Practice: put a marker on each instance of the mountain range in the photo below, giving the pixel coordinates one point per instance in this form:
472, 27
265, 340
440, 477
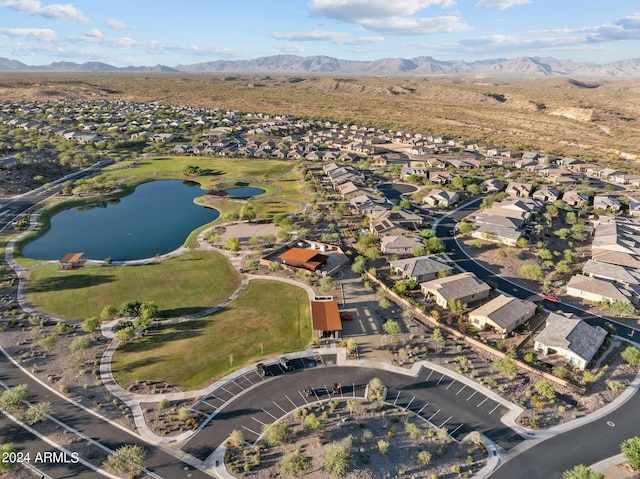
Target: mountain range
293, 64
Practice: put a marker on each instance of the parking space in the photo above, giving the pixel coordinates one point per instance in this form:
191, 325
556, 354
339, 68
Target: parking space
210, 404
446, 402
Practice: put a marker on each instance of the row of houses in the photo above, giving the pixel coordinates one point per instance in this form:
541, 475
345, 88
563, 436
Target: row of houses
563, 337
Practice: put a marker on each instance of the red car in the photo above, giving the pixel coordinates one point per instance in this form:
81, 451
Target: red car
346, 317
550, 297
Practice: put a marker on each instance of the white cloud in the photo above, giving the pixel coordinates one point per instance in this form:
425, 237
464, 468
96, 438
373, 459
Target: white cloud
95, 33
55, 11
358, 10
626, 28
40, 34
290, 48
116, 24
501, 4
337, 38
417, 26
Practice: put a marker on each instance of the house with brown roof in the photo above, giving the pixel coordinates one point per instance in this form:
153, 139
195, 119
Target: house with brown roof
464, 287
308, 259
72, 261
325, 319
503, 314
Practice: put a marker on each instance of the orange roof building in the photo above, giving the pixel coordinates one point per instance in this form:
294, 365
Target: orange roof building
303, 258
325, 318
72, 260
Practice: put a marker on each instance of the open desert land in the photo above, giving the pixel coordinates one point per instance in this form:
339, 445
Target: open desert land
595, 120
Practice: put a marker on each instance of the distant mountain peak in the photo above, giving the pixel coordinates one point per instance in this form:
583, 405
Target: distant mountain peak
322, 64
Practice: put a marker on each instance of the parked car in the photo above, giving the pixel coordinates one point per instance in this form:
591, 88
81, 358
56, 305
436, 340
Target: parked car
285, 363
308, 391
262, 370
346, 317
550, 297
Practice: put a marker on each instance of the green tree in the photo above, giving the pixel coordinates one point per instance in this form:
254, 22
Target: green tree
236, 438
325, 284
89, 325
392, 326
38, 412
125, 334
506, 367
631, 354
465, 228
545, 255
545, 389
233, 244
413, 430
46, 342
531, 272
6, 449
631, 450
312, 423
581, 472
127, 460
337, 459
13, 399
376, 389
359, 264
247, 213
107, 312
79, 343
295, 464
424, 458
383, 446
276, 434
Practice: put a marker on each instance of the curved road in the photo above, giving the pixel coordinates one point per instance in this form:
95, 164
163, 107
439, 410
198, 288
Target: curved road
587, 444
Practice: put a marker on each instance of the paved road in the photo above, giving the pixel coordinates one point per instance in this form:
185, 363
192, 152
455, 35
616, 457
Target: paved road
586, 445
158, 461
437, 397
13, 207
10, 432
459, 256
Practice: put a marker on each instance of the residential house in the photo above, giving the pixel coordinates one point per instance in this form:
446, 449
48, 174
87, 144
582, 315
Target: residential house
421, 268
502, 314
367, 204
515, 188
308, 259
394, 222
575, 199
546, 195
611, 272
569, 338
608, 203
440, 177
492, 185
464, 287
595, 289
441, 198
9, 162
408, 171
399, 244
634, 208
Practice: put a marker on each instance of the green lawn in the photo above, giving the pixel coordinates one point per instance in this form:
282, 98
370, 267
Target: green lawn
190, 355
182, 285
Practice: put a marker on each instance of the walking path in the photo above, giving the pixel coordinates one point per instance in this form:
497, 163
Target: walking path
134, 400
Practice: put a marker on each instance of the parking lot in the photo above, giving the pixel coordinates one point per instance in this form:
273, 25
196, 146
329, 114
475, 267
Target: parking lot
436, 397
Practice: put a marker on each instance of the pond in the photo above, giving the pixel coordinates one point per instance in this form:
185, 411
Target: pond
245, 192
155, 219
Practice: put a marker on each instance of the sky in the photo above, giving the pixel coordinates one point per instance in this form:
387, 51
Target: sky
182, 32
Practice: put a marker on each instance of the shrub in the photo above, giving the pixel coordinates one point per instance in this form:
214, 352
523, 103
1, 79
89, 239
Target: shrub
295, 464
337, 459
424, 458
79, 343
383, 446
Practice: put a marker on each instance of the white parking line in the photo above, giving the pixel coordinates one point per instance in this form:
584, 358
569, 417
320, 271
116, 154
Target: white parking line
257, 420
453, 432
447, 420
245, 427
275, 418
397, 396
422, 408
303, 397
407, 406
483, 401
463, 387
227, 391
429, 376
497, 406
279, 407
208, 404
440, 380
433, 415
234, 382
474, 393
295, 406
245, 376
451, 384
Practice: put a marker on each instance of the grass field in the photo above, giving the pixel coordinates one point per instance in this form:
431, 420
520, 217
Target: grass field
268, 314
182, 285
